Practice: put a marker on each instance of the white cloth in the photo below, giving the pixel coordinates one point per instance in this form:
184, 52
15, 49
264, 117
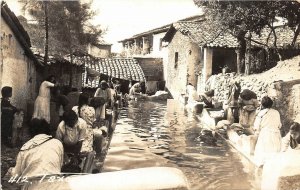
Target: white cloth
269, 138
42, 102
40, 155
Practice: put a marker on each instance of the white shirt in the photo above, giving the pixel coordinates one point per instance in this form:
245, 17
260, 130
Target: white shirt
39, 156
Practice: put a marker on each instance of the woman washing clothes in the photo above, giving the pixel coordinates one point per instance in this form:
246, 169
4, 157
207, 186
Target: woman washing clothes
94, 135
248, 104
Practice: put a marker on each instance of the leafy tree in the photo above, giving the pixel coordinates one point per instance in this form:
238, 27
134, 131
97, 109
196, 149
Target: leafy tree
67, 25
242, 18
290, 10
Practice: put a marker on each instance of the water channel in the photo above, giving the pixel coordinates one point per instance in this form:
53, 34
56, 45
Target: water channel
173, 133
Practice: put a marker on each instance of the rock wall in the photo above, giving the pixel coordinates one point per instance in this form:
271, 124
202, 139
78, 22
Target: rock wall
223, 82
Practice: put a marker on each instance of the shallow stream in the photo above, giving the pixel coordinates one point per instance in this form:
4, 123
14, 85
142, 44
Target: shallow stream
175, 134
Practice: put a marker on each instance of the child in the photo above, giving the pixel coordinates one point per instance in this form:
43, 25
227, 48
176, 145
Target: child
17, 128
7, 115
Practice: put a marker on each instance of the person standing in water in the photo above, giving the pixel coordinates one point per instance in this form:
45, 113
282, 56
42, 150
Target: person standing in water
42, 102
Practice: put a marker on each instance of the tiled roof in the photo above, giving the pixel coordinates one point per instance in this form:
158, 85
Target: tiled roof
120, 68
206, 35
284, 37
209, 35
163, 28
77, 60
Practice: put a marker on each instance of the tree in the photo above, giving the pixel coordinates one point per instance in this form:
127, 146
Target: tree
66, 26
246, 17
239, 17
290, 10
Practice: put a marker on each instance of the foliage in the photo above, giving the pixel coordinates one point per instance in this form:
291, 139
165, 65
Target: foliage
242, 18
68, 22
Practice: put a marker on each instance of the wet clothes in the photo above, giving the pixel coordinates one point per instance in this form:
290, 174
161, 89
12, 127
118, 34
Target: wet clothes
7, 117
42, 102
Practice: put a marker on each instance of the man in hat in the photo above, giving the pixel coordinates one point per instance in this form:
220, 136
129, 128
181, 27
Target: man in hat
7, 115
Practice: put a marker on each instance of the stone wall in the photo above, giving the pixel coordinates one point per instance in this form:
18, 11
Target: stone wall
152, 68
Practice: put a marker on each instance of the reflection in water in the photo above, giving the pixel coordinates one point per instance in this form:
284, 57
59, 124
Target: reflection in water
175, 134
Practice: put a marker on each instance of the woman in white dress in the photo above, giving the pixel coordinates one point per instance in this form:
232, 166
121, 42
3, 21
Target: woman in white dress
267, 124
42, 102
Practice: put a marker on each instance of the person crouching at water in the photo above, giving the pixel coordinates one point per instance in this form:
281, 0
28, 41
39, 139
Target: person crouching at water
94, 133
41, 155
42, 102
208, 98
292, 139
192, 94
135, 89
103, 97
248, 104
267, 125
71, 131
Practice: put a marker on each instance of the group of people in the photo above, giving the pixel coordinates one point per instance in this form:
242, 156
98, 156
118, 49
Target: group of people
80, 133
261, 121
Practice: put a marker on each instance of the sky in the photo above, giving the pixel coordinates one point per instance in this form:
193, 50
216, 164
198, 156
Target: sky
125, 18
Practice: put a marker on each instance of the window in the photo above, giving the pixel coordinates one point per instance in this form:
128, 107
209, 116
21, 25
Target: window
160, 44
176, 59
9, 39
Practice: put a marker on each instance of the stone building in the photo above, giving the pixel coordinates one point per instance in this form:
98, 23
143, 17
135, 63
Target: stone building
198, 50
195, 52
149, 50
19, 68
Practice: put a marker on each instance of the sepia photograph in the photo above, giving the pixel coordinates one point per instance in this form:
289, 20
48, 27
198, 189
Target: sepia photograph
150, 94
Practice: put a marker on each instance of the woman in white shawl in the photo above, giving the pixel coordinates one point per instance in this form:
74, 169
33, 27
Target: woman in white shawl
267, 124
42, 155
